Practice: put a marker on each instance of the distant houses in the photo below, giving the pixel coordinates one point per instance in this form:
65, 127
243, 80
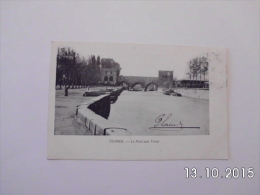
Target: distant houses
109, 75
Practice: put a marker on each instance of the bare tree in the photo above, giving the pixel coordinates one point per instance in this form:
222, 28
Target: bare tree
197, 67
205, 67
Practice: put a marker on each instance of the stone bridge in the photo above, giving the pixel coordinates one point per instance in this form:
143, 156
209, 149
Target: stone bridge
131, 81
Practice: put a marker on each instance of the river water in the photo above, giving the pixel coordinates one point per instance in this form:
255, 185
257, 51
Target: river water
153, 113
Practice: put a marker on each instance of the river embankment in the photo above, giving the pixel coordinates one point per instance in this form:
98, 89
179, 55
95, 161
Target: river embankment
78, 114
65, 112
202, 94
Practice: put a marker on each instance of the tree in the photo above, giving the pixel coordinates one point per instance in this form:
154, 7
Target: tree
73, 70
93, 70
98, 60
197, 66
66, 61
190, 73
70, 68
204, 67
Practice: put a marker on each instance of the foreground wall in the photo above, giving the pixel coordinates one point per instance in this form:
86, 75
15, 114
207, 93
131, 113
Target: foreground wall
194, 93
92, 113
100, 105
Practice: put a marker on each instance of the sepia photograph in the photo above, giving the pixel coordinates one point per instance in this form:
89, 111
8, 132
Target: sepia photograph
131, 89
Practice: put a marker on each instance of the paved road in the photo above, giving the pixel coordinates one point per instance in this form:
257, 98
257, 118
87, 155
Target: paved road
141, 111
65, 111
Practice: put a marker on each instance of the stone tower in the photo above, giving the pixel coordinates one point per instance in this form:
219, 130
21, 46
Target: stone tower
165, 78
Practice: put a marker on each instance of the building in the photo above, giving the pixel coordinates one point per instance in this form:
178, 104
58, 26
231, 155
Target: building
109, 75
165, 79
186, 83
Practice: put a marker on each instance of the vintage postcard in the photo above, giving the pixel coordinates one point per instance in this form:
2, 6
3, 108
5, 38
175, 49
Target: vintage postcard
122, 101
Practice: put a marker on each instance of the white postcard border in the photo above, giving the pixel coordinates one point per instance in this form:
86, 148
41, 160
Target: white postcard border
212, 146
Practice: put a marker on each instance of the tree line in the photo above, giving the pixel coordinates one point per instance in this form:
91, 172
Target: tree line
197, 69
73, 70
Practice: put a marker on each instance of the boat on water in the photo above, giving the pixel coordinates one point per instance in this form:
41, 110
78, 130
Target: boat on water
171, 92
176, 94
167, 92
94, 93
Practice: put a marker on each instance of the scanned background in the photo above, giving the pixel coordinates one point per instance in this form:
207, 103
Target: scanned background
27, 28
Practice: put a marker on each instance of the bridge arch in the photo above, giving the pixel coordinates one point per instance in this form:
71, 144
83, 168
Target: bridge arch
137, 83
152, 83
134, 80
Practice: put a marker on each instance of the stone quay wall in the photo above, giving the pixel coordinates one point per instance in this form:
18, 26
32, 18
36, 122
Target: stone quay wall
92, 115
194, 93
101, 106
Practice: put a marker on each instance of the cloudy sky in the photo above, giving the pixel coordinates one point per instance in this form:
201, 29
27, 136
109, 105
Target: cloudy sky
141, 59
